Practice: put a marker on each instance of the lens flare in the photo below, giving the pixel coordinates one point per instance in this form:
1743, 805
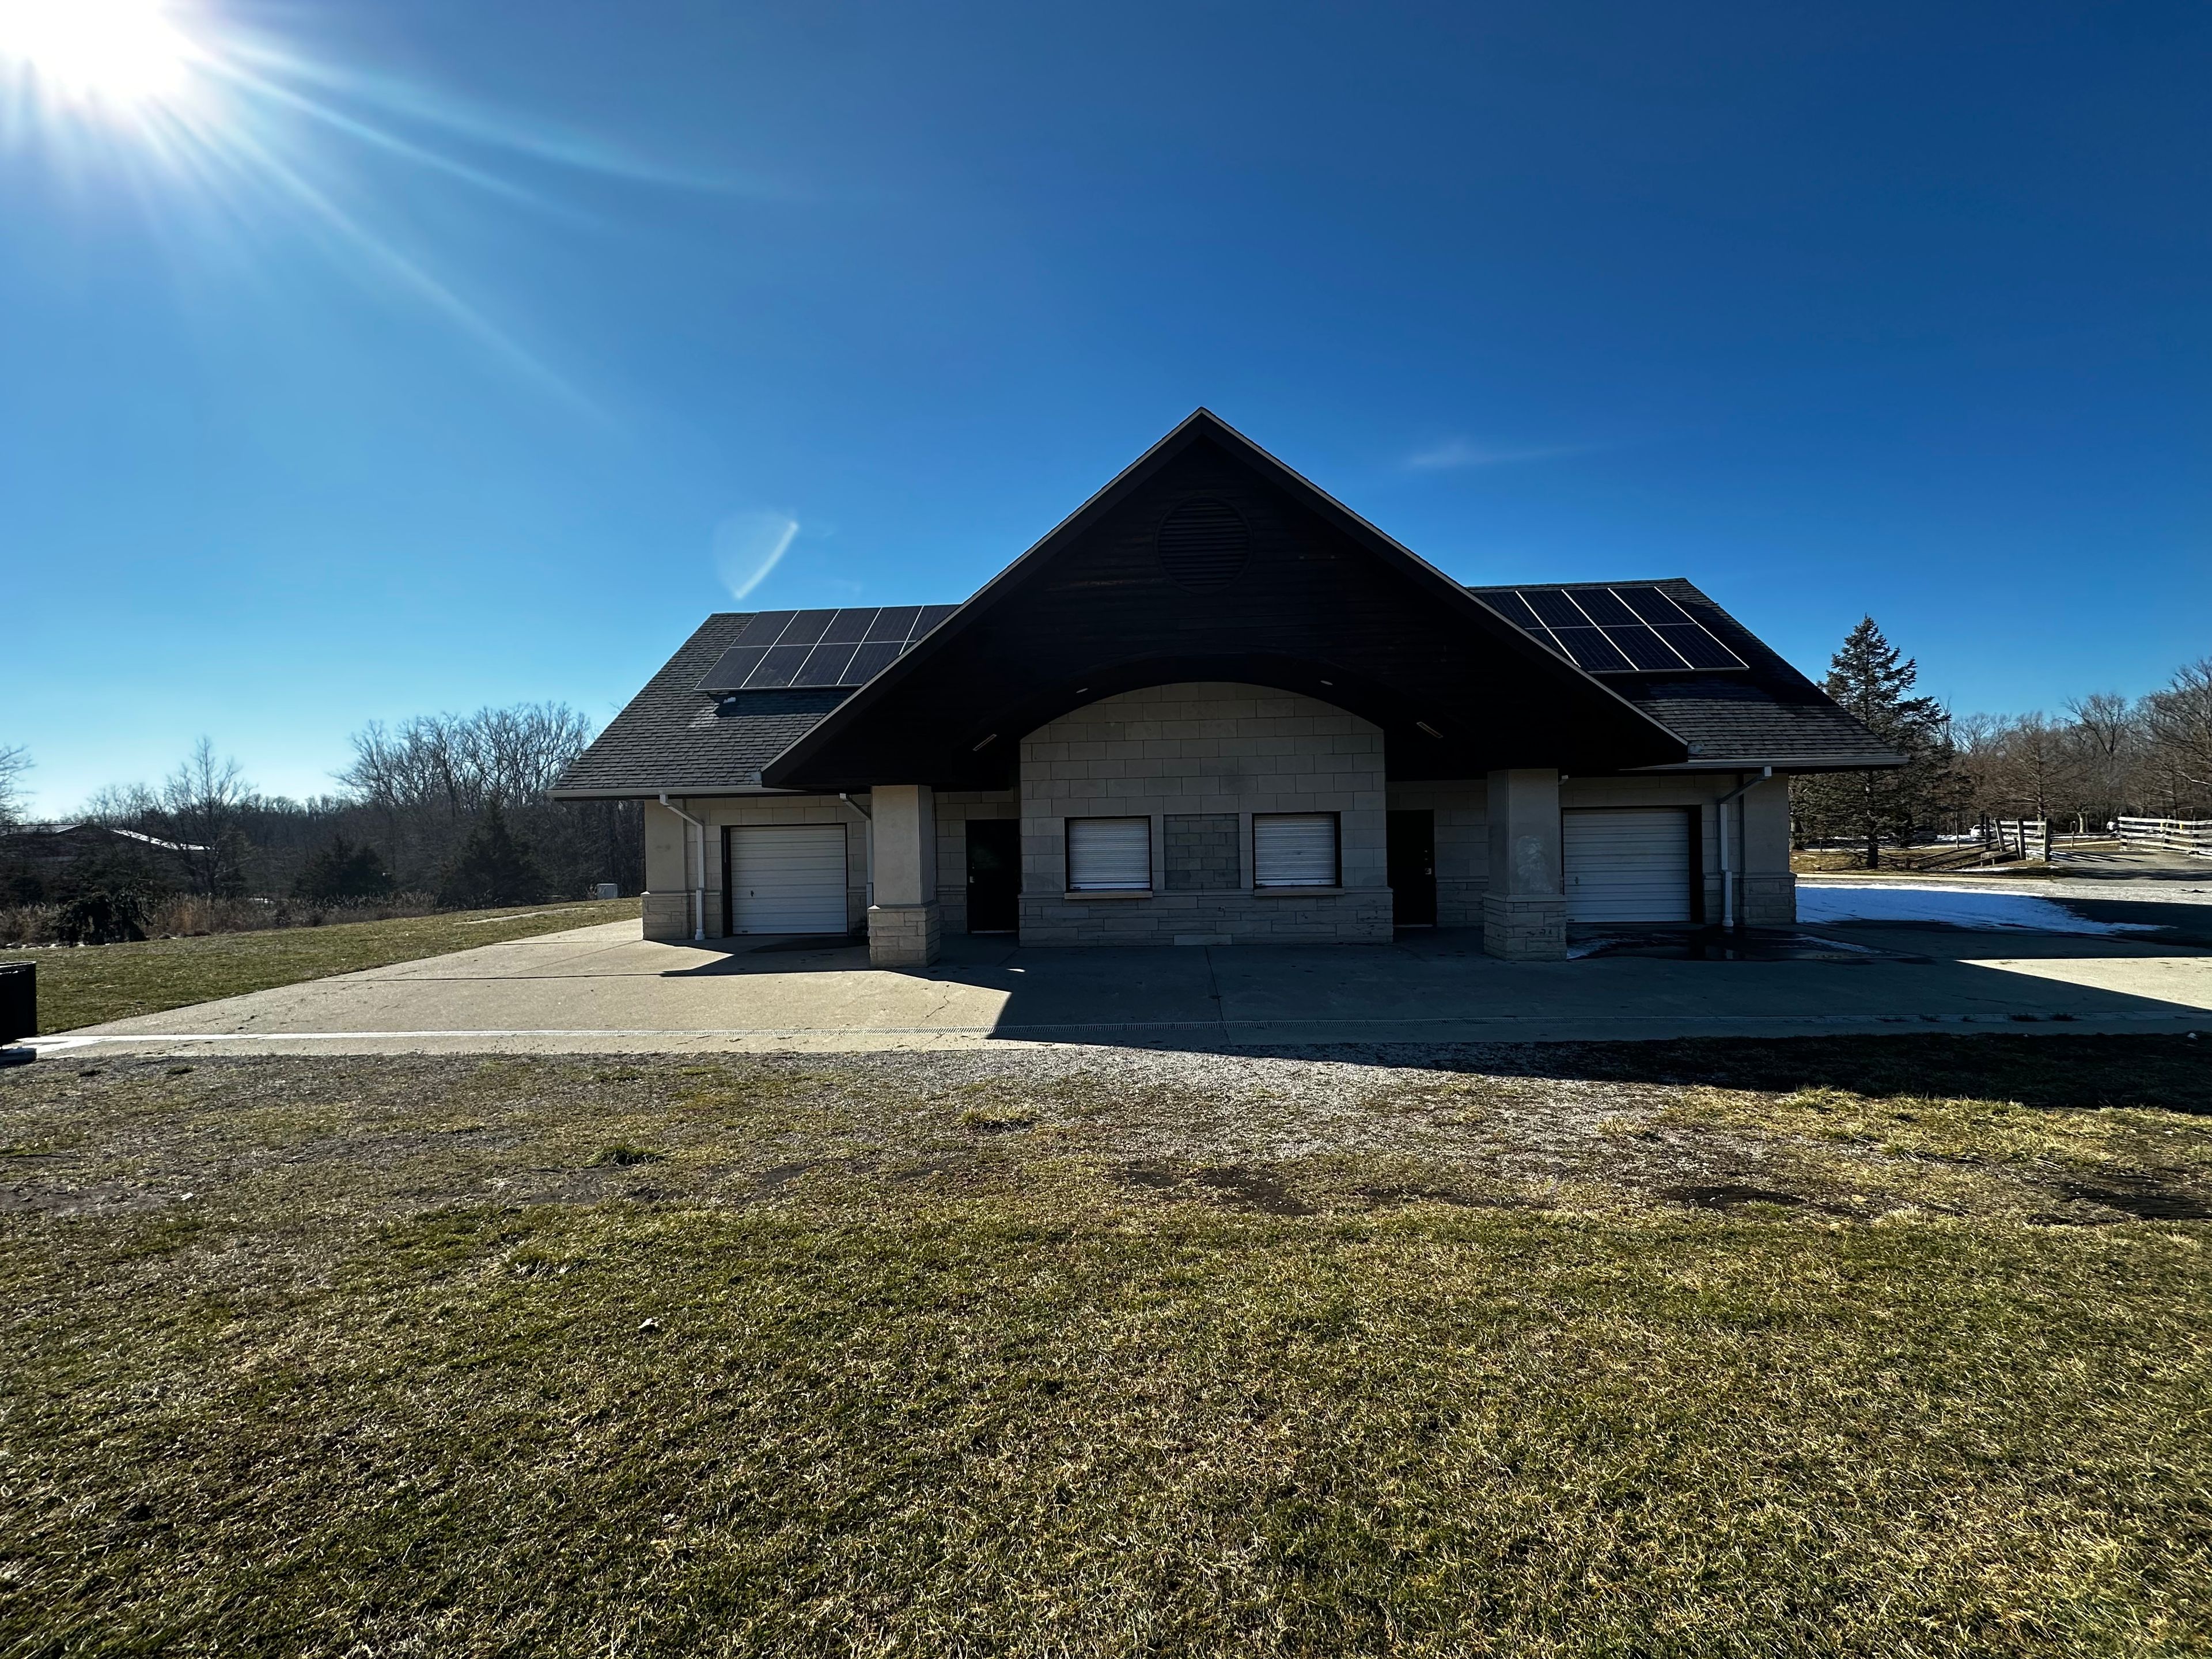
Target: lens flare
223, 132
124, 53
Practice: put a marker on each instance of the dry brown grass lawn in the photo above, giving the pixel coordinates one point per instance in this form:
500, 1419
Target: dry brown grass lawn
1752, 1349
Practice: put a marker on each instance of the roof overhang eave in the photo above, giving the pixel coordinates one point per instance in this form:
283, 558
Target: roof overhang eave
1785, 763
689, 791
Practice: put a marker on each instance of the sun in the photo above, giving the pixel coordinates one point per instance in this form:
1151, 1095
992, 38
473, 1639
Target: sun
128, 54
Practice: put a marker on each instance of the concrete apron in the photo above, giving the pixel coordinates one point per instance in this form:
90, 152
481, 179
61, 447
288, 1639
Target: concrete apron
603, 990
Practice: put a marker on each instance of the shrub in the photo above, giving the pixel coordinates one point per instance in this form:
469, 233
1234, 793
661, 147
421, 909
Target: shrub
342, 873
493, 868
103, 916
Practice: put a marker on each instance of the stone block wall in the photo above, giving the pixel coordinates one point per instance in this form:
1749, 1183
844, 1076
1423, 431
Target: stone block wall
1203, 751
1201, 851
954, 808
905, 935
1524, 929
668, 916
1769, 901
1461, 814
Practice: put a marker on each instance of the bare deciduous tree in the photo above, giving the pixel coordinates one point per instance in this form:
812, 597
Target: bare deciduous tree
2178, 723
14, 762
199, 809
2105, 726
461, 763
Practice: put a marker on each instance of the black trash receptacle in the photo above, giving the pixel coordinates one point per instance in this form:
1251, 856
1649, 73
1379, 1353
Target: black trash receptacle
19, 1000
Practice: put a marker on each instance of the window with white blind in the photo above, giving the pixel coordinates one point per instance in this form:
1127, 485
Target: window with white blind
1109, 855
1294, 849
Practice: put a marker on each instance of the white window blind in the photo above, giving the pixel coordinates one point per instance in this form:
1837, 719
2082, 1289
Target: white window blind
1294, 849
1109, 855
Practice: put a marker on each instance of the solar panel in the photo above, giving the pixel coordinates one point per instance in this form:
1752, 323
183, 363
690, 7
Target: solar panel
892, 624
764, 628
826, 663
870, 660
1652, 605
779, 668
847, 627
779, 649
1699, 648
1644, 648
1636, 630
806, 628
1587, 648
732, 667
1556, 609
1513, 608
1603, 606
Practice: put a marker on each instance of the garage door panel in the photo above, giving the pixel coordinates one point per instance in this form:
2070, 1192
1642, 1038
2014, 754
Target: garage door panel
787, 878
1627, 864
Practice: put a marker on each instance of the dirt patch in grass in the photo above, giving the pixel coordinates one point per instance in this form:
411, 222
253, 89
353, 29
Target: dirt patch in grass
1212, 1354
98, 984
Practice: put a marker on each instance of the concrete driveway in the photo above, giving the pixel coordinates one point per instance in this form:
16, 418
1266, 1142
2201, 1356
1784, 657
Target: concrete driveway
602, 989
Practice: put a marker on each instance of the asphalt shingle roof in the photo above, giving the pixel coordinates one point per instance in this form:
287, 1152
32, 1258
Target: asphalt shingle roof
676, 738
1765, 713
673, 737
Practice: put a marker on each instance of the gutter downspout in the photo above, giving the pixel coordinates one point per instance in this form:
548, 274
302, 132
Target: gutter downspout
1720, 824
699, 891
871, 818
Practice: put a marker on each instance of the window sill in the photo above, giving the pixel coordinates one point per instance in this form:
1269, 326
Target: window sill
1108, 893
1296, 892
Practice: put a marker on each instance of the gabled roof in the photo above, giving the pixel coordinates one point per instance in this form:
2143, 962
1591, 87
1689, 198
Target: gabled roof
1331, 607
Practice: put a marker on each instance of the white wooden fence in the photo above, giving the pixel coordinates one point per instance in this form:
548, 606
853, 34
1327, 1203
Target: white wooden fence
2019, 838
2191, 835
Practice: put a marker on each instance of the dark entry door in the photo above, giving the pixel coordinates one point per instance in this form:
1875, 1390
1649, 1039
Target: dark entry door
1413, 865
994, 875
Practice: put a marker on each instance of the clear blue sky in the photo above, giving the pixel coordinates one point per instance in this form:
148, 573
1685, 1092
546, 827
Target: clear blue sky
427, 355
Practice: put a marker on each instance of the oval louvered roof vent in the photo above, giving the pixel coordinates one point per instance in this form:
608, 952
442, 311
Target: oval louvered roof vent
1204, 542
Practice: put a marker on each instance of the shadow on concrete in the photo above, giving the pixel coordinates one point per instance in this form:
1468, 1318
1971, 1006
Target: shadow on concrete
778, 953
1877, 1008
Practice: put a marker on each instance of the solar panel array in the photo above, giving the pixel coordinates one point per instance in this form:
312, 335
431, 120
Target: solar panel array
789, 648
1614, 630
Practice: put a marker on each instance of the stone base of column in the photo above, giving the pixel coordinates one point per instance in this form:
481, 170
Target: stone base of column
668, 916
1769, 901
905, 935
1525, 929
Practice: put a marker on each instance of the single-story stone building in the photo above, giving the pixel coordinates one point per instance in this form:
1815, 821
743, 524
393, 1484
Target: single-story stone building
1215, 706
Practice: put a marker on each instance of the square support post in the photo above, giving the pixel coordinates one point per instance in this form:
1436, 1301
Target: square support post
905, 924
1524, 909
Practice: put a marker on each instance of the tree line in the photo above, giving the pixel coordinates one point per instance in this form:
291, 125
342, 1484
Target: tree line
442, 810
2104, 758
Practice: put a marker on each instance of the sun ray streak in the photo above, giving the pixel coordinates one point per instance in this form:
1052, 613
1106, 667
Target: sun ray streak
379, 139
414, 277
232, 121
493, 129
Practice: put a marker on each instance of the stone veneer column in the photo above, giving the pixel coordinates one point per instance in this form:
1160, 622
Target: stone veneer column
905, 924
1524, 909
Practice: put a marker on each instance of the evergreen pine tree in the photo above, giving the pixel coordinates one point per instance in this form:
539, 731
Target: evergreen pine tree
343, 872
1873, 680
492, 868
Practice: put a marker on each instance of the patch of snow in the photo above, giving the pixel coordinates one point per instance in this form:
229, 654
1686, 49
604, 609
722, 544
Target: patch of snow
1955, 907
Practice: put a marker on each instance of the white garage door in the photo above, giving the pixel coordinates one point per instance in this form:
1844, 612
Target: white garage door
1629, 865
787, 878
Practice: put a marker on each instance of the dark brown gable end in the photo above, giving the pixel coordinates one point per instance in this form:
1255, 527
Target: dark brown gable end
1210, 560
